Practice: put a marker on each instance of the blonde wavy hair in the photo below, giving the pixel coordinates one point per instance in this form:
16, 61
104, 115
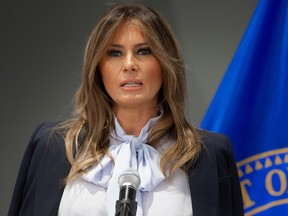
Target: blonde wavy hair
87, 132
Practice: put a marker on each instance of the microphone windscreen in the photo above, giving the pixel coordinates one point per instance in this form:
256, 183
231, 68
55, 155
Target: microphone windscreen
129, 177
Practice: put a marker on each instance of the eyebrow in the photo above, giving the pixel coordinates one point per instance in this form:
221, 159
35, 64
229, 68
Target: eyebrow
122, 46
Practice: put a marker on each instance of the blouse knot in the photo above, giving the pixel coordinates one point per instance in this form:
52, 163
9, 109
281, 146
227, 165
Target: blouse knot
127, 151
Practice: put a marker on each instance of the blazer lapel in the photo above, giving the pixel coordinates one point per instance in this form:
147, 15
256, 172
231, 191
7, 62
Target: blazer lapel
54, 168
204, 185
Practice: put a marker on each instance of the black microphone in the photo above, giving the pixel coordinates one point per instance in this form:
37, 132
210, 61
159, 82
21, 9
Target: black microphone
128, 181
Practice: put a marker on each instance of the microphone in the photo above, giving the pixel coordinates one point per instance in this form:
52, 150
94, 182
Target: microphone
128, 181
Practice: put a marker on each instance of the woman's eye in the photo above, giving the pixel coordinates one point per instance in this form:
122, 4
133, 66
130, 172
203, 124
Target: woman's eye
144, 51
114, 53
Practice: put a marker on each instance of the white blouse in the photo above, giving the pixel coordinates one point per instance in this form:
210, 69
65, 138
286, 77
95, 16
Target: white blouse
97, 191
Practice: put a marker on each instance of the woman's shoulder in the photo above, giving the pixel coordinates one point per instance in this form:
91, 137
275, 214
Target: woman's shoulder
44, 144
213, 140
44, 129
217, 148
216, 145
43, 135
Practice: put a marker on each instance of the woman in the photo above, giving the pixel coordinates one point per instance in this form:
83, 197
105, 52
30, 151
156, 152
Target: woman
129, 113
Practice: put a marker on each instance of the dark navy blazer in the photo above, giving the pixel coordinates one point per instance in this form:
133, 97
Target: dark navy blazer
215, 188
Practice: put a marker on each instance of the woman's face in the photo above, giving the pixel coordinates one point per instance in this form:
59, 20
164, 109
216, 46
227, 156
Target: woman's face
131, 74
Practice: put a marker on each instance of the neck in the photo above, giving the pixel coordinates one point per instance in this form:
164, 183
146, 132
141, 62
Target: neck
133, 120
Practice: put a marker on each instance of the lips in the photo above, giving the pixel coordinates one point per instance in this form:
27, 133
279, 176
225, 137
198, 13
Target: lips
131, 83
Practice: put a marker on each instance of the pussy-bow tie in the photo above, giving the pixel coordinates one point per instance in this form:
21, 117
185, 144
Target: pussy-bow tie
128, 152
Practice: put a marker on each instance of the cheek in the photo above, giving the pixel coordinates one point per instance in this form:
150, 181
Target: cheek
155, 75
106, 70
106, 81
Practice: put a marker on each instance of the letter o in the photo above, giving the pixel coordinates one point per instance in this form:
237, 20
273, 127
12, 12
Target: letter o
283, 182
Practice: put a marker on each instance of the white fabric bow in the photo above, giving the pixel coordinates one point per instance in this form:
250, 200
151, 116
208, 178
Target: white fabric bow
128, 152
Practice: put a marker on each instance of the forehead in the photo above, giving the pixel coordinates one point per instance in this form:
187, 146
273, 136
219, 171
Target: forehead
128, 32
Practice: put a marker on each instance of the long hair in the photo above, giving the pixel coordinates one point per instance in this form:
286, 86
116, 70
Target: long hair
87, 132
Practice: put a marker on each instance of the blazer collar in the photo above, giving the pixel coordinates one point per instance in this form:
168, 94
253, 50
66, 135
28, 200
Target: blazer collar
204, 185
54, 168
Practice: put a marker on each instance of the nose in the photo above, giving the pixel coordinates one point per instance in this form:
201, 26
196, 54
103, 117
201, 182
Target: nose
129, 63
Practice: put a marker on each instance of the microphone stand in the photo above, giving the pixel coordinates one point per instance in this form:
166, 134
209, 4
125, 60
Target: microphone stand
126, 206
